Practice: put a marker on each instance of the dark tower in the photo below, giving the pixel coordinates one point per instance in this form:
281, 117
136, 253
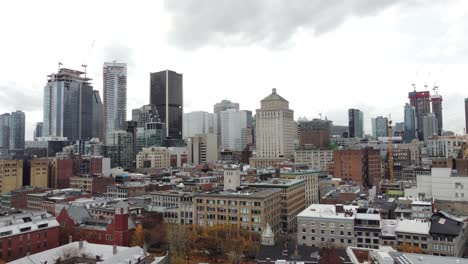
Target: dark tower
421, 101
166, 93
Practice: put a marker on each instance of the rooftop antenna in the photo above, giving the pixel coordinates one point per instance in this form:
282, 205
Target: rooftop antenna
436, 89
59, 64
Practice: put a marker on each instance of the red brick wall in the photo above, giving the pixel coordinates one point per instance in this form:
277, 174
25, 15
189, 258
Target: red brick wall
64, 171
17, 246
348, 165
96, 165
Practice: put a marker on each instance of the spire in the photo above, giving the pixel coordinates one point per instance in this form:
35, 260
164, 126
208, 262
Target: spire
268, 237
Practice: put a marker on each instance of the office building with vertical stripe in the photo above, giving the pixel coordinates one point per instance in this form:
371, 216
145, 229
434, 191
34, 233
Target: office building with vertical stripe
115, 96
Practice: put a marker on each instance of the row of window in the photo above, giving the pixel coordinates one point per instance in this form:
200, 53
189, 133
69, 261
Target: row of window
333, 240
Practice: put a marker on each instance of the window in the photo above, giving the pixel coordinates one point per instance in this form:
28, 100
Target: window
303, 237
303, 230
312, 231
322, 231
350, 241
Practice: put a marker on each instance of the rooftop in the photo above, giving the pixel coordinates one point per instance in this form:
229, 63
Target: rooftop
91, 251
414, 226
329, 211
276, 182
250, 193
25, 222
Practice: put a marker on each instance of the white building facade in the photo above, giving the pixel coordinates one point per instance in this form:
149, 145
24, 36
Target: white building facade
233, 129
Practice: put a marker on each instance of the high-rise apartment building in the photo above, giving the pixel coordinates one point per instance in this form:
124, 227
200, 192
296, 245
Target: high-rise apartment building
436, 101
115, 96
314, 134
421, 101
274, 130
356, 123
411, 123
98, 114
379, 127
68, 97
429, 126
38, 130
198, 122
17, 130
166, 93
219, 107
233, 129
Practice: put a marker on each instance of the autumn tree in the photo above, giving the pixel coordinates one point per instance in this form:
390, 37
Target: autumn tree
138, 237
408, 248
179, 242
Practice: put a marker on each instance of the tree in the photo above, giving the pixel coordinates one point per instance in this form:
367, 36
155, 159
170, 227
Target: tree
179, 240
138, 237
408, 248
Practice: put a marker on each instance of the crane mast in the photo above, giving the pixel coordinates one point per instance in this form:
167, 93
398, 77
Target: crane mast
390, 149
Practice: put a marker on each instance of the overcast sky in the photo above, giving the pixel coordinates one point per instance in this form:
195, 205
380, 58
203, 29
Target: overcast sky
323, 56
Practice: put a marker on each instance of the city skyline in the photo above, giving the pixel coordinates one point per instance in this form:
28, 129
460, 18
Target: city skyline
302, 61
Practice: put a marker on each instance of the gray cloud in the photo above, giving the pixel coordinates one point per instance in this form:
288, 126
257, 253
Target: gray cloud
271, 22
14, 97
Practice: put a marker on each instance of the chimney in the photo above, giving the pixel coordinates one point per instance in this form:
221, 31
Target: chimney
273, 90
81, 244
145, 249
114, 249
70, 239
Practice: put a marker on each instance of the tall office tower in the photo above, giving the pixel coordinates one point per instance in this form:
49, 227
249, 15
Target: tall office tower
4, 133
399, 130
379, 127
17, 130
421, 101
356, 123
198, 122
115, 96
38, 130
436, 101
166, 93
68, 100
429, 126
274, 121
234, 129
219, 107
314, 134
98, 114
466, 115
411, 123
146, 114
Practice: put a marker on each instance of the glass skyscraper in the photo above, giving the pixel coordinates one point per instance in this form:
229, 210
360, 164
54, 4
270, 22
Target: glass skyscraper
410, 123
17, 130
356, 123
166, 93
68, 111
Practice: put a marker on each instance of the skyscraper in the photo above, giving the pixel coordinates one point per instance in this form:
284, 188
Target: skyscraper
219, 107
411, 123
115, 96
4, 133
234, 129
97, 109
436, 101
17, 130
274, 121
429, 126
379, 127
198, 122
466, 115
68, 105
145, 114
356, 123
421, 101
166, 93
38, 130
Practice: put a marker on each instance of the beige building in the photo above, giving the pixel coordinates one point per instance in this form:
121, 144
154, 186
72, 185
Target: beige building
292, 199
275, 129
202, 148
11, 175
318, 159
40, 172
154, 157
325, 224
311, 182
249, 210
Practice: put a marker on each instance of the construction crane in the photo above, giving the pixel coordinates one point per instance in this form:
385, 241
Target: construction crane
390, 149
